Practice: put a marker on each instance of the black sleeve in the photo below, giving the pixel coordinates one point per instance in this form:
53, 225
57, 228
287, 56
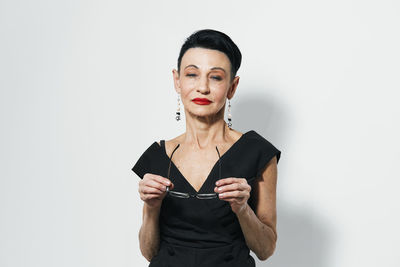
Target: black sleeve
267, 152
143, 165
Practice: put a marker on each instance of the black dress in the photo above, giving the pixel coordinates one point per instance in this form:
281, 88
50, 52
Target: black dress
205, 232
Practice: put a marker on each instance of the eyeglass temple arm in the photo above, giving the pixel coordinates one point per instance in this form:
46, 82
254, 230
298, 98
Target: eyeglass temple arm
170, 160
219, 161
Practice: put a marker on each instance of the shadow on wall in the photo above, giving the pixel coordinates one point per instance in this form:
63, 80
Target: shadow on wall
303, 241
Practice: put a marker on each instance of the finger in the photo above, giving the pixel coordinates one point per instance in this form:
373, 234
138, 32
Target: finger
226, 181
231, 199
231, 194
152, 190
155, 177
171, 187
150, 196
162, 180
160, 186
229, 187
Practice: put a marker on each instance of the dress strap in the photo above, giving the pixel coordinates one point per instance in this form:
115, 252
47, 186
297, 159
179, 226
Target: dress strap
162, 143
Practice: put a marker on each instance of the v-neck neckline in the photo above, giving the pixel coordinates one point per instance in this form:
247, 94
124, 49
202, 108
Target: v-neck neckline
164, 152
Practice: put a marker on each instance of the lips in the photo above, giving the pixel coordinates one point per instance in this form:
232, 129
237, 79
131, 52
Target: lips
201, 101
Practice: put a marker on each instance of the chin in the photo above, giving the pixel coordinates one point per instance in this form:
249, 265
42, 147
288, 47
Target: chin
202, 114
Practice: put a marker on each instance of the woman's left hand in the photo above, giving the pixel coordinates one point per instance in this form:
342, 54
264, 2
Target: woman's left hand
234, 190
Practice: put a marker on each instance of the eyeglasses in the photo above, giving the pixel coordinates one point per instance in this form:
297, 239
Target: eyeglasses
187, 195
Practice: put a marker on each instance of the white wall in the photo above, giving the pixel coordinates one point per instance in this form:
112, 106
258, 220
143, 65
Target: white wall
86, 86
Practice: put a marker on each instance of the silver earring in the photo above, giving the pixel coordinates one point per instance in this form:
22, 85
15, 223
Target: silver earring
178, 111
229, 114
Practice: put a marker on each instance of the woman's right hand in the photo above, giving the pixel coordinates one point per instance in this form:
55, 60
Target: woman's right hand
152, 189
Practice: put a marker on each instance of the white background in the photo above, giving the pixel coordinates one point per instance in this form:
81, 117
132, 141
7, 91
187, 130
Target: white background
86, 87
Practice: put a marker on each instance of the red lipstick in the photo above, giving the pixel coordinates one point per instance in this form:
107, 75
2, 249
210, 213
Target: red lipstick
201, 101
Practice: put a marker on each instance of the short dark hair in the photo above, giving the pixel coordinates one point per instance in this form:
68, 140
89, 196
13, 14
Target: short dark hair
216, 40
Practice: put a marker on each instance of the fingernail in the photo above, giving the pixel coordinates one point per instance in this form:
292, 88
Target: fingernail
217, 183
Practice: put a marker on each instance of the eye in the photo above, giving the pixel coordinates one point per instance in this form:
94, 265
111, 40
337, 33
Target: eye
191, 75
218, 78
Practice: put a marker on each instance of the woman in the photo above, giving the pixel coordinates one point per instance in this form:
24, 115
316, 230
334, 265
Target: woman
209, 194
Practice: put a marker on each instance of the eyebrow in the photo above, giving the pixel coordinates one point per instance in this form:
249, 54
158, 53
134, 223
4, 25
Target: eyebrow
213, 68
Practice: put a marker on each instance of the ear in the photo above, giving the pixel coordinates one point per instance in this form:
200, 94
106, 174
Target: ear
177, 84
232, 88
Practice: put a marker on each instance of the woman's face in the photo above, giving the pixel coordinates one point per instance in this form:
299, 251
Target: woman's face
205, 74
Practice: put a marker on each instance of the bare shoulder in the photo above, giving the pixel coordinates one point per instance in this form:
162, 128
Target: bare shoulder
172, 143
235, 134
169, 142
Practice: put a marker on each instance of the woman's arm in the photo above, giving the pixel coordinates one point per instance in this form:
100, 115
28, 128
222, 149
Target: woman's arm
259, 228
149, 234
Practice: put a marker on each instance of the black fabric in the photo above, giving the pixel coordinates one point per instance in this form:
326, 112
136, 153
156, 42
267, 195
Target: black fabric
199, 224
143, 165
232, 255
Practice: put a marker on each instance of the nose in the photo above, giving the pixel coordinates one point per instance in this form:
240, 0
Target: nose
203, 85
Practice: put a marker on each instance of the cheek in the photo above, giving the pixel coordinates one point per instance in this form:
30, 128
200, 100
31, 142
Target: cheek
186, 88
220, 92
186, 91
187, 84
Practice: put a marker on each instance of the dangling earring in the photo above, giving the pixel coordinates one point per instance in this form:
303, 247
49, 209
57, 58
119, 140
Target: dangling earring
229, 114
178, 113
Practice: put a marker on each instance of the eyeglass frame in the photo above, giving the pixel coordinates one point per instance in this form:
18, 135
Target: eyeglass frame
188, 195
